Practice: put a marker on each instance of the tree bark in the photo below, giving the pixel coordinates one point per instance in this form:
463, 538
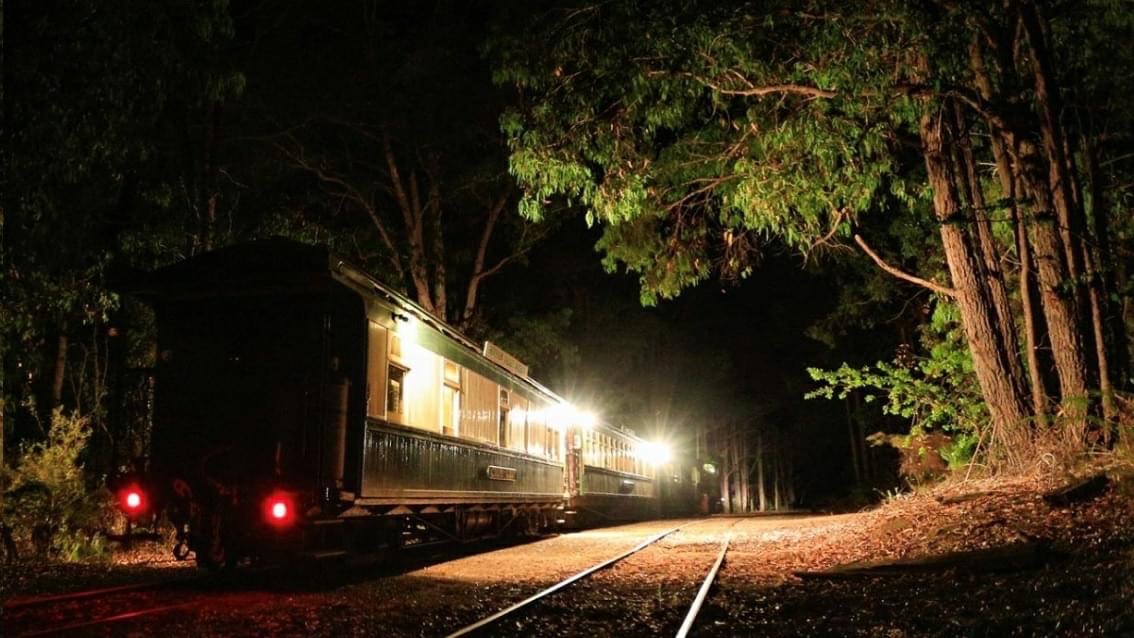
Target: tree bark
761, 493
59, 372
726, 470
440, 292
1048, 105
989, 255
409, 203
1059, 308
208, 220
1115, 328
1069, 338
1003, 391
856, 464
1009, 185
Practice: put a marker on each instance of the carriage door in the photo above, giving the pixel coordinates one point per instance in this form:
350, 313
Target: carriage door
505, 404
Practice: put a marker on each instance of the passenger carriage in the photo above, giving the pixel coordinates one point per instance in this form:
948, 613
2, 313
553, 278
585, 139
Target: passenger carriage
301, 406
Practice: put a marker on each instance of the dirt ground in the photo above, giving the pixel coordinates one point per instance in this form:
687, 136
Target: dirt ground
1078, 579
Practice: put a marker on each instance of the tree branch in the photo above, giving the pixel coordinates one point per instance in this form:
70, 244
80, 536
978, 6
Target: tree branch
770, 89
349, 192
478, 271
937, 288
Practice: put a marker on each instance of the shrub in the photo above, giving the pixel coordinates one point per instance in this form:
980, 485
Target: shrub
47, 500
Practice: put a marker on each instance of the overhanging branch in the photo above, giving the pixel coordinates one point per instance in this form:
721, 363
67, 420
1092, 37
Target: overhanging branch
925, 283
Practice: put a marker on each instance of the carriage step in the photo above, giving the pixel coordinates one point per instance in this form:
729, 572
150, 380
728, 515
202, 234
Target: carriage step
328, 553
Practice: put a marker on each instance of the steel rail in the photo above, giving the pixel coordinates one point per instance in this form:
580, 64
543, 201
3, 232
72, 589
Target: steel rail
106, 620
32, 601
488, 620
702, 593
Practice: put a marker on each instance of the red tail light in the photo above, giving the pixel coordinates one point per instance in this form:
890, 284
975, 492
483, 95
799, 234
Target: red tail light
279, 509
132, 500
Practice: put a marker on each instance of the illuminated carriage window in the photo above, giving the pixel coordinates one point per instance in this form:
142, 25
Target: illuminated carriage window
396, 392
451, 399
396, 374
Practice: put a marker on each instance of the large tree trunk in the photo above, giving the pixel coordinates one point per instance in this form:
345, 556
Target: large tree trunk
989, 255
1060, 180
1059, 308
1003, 390
1009, 184
1069, 338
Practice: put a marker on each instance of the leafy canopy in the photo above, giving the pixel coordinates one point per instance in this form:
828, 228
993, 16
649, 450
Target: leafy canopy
695, 131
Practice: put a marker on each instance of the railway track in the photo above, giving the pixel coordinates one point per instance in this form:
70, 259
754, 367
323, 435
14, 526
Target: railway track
72, 611
90, 609
528, 603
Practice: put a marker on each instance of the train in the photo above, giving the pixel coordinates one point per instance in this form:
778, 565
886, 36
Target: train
303, 408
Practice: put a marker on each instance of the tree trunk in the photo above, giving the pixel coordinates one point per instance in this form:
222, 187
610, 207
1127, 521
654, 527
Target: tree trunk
413, 216
856, 464
746, 476
761, 494
776, 498
440, 293
59, 372
726, 471
1059, 309
1002, 390
989, 255
1107, 321
208, 216
1069, 338
1060, 180
1009, 185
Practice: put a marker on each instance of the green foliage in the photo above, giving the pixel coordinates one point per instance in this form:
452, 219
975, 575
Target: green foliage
540, 341
936, 392
655, 137
960, 451
46, 494
94, 161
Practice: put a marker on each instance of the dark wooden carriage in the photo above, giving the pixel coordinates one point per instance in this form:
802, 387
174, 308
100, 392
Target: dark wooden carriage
290, 383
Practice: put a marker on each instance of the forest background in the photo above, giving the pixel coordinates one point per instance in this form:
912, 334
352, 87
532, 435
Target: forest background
920, 210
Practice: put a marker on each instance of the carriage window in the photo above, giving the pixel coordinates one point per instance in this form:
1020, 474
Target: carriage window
451, 400
396, 393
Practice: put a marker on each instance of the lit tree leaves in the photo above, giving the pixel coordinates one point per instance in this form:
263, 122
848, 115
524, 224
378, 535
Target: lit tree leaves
695, 133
